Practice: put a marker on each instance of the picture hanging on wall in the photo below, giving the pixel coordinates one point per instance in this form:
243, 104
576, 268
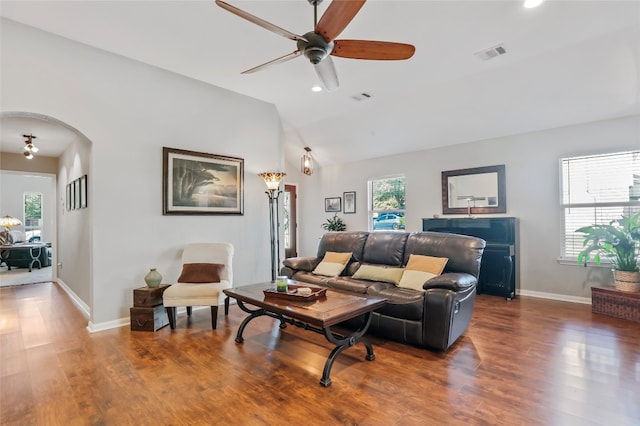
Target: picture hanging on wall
332, 204
76, 194
200, 183
349, 202
68, 201
83, 192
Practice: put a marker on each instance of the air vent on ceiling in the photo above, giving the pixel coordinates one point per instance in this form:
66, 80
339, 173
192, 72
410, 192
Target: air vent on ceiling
361, 96
491, 52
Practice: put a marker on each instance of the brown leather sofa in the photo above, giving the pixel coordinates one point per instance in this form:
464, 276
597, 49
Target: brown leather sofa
435, 317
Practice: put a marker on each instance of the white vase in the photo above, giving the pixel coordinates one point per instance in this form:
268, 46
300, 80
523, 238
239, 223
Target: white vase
153, 278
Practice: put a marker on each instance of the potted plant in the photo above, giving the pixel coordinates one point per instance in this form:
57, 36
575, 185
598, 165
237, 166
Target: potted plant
334, 224
619, 242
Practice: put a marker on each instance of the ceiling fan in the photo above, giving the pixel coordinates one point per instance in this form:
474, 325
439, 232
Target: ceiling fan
320, 44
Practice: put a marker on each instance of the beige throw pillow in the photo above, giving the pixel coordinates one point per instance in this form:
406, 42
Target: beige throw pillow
435, 265
379, 273
332, 264
415, 279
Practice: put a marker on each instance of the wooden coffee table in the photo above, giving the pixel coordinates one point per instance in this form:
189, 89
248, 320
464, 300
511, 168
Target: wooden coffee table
319, 315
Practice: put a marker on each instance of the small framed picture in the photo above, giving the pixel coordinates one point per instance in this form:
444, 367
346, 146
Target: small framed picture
76, 194
349, 202
69, 197
83, 192
333, 204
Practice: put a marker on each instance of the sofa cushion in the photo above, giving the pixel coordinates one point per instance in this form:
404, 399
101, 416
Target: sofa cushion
464, 252
402, 303
385, 248
15, 237
332, 264
379, 273
198, 273
349, 284
414, 279
341, 242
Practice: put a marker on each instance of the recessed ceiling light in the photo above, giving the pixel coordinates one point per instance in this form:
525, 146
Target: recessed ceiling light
316, 89
529, 4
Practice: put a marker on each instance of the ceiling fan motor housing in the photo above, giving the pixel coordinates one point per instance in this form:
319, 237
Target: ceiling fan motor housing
315, 47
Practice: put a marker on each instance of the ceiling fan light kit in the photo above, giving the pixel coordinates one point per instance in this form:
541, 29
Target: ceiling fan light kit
319, 45
29, 148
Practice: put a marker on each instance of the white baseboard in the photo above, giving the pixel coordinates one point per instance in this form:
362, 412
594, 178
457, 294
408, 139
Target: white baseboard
84, 308
107, 325
121, 322
555, 296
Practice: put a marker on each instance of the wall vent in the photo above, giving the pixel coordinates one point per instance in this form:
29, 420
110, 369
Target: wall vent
491, 52
361, 96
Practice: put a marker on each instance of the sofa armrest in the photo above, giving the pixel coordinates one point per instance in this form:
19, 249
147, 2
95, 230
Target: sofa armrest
307, 264
455, 281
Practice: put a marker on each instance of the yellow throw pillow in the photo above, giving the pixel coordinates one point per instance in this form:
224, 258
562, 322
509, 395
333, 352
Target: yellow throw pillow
335, 257
332, 264
415, 279
379, 273
435, 265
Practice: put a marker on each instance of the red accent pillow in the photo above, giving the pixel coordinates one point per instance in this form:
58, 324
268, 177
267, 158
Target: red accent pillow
197, 273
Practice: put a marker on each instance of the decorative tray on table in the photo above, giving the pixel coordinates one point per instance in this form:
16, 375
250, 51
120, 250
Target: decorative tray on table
292, 293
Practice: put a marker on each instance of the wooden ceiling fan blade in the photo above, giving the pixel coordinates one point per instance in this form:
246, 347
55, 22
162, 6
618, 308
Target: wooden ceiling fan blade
369, 49
337, 17
326, 71
259, 21
285, 58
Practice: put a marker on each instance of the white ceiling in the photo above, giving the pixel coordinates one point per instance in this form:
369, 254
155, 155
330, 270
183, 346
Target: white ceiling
567, 62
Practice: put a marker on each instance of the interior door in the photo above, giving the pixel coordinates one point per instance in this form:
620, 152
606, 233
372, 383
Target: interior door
290, 221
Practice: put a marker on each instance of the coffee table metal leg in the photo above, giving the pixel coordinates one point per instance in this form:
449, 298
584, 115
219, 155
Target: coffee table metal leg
255, 313
343, 343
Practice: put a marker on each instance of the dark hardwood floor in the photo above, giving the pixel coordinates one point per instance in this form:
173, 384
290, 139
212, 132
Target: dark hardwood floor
524, 362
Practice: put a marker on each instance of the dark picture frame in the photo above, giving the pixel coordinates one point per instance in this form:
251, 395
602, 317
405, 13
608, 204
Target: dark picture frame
83, 192
201, 183
333, 204
76, 194
489, 204
349, 202
69, 200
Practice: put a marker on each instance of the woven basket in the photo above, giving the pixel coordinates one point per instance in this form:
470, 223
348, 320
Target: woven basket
626, 281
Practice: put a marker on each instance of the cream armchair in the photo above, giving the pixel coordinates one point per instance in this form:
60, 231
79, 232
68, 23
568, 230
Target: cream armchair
206, 271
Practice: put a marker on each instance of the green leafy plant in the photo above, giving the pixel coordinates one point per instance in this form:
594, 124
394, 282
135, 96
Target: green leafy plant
619, 241
334, 224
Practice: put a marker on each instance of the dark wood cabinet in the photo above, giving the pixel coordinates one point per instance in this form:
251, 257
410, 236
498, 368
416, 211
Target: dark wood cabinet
148, 312
498, 270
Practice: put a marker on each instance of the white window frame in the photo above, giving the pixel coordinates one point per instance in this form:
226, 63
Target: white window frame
600, 211
375, 212
30, 228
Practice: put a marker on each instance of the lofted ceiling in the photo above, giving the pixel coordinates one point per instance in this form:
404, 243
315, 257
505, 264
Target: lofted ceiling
567, 62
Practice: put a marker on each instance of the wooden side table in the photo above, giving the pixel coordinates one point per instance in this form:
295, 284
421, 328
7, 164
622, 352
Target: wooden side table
148, 313
616, 303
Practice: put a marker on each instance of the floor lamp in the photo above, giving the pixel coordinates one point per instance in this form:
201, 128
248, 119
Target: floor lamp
272, 179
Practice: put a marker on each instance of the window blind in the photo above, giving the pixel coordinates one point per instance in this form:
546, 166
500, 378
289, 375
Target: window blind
596, 190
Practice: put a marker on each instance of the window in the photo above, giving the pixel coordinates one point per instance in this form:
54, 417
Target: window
387, 203
597, 189
32, 215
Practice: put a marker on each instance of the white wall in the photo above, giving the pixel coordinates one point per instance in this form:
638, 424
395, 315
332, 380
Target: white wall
74, 226
129, 111
532, 175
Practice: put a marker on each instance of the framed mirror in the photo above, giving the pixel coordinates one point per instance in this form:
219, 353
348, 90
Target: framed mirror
480, 190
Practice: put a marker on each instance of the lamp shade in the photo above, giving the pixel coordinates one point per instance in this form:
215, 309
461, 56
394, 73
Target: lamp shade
272, 179
8, 221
